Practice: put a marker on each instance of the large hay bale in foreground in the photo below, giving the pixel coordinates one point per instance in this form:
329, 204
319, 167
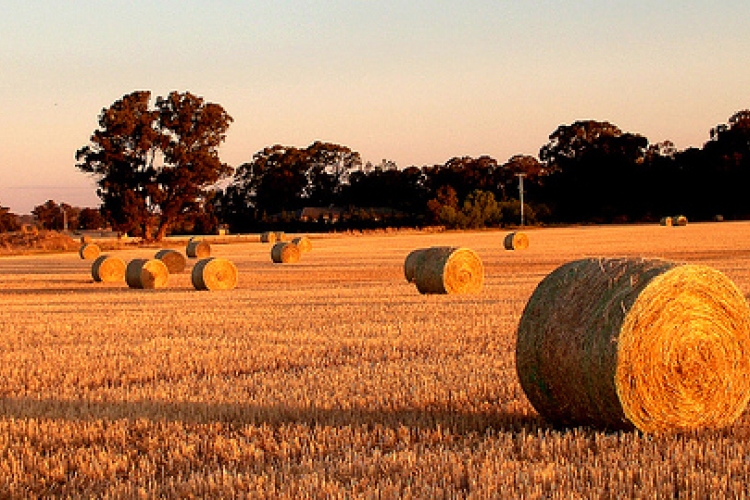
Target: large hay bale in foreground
174, 260
89, 251
303, 243
108, 269
516, 241
451, 270
666, 221
198, 249
412, 261
214, 274
679, 220
285, 253
636, 343
146, 273
268, 237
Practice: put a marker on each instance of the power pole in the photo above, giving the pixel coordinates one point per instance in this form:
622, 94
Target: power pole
520, 192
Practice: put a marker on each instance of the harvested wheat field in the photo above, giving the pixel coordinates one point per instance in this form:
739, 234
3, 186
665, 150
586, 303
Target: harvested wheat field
332, 378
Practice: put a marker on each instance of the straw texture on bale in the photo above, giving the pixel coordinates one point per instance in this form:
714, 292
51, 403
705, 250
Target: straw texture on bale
146, 273
679, 220
89, 251
174, 260
449, 270
214, 274
198, 249
268, 237
285, 253
516, 241
636, 343
303, 243
108, 269
412, 261
666, 221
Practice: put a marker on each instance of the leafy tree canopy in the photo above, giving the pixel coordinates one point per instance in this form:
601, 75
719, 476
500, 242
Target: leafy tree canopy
155, 164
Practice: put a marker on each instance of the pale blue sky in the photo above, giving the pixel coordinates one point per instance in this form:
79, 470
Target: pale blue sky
415, 82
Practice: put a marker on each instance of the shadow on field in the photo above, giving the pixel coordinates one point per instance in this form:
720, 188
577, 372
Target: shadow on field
237, 414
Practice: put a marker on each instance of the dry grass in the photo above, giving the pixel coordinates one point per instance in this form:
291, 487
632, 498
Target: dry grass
333, 378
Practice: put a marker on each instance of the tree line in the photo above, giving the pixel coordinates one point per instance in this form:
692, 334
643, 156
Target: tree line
158, 171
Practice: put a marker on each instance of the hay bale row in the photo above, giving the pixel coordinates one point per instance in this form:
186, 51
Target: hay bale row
108, 269
516, 241
636, 343
444, 270
674, 220
174, 260
146, 274
89, 251
198, 249
214, 274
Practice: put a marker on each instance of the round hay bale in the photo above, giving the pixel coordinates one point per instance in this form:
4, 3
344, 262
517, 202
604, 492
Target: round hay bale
89, 251
85, 238
146, 273
108, 269
280, 236
451, 270
679, 220
214, 274
174, 260
198, 249
636, 343
303, 243
516, 241
666, 221
268, 237
285, 253
412, 261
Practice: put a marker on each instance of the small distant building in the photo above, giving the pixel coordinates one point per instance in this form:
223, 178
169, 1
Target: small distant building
325, 214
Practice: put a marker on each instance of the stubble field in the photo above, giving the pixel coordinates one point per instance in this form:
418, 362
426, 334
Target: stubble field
328, 378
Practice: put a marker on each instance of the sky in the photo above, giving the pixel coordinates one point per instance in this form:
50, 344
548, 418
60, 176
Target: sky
416, 82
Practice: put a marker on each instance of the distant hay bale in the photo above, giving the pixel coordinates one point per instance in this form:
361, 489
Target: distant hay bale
450, 270
303, 243
29, 229
146, 273
198, 249
214, 274
412, 261
174, 260
666, 221
268, 237
280, 236
85, 238
679, 220
89, 251
516, 241
636, 343
108, 269
285, 253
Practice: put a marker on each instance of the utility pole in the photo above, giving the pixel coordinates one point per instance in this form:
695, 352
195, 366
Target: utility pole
520, 192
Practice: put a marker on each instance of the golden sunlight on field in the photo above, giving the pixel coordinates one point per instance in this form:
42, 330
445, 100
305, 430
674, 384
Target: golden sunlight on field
331, 377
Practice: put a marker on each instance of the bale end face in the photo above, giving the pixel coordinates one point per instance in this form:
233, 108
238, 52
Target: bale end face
268, 237
303, 243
